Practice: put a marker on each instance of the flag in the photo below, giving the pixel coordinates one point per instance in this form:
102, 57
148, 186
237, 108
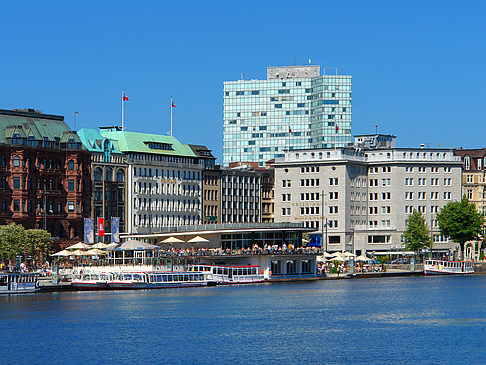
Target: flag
290, 130
115, 230
88, 230
101, 227
76, 113
125, 97
172, 104
337, 128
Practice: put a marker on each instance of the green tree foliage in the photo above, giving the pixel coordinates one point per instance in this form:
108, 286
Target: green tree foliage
37, 241
15, 239
416, 236
12, 240
460, 221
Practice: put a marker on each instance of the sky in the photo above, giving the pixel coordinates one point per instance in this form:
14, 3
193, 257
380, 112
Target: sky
417, 66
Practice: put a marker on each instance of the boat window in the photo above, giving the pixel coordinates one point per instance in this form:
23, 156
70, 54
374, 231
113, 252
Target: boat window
226, 271
3, 280
186, 277
127, 277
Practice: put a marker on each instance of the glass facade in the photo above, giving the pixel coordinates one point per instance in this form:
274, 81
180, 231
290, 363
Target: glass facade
263, 118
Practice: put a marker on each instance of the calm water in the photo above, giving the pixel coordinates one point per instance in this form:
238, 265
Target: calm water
393, 320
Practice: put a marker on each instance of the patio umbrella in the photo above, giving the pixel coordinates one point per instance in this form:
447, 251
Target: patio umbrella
197, 239
362, 258
63, 253
349, 254
338, 256
95, 252
78, 253
79, 246
111, 246
135, 245
172, 240
327, 254
100, 245
321, 259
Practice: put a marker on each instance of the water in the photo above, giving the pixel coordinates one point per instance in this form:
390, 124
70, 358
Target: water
382, 320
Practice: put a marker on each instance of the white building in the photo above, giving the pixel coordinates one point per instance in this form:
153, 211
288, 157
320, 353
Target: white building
366, 195
163, 180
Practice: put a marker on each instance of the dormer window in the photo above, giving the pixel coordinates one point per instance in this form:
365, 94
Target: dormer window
467, 162
159, 146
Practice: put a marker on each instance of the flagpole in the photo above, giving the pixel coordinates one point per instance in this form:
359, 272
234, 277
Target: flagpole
335, 135
123, 112
171, 115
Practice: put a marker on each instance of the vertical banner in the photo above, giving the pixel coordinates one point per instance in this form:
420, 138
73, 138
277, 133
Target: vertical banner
115, 230
88, 230
351, 265
412, 263
101, 227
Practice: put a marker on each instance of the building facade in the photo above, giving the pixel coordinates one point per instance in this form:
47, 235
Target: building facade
164, 180
44, 174
474, 188
366, 195
108, 179
296, 107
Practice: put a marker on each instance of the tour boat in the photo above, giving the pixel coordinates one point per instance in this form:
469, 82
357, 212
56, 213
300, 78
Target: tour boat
17, 283
92, 281
156, 280
440, 267
219, 274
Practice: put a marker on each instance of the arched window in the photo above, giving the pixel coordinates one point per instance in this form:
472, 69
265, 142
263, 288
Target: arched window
70, 165
98, 174
109, 174
467, 162
16, 161
120, 175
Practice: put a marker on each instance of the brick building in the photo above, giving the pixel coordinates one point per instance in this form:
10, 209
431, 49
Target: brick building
44, 173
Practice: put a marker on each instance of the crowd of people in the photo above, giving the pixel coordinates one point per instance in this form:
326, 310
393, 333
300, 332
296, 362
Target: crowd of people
340, 268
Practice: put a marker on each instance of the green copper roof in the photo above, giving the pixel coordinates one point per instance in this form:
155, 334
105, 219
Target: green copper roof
148, 143
39, 126
94, 141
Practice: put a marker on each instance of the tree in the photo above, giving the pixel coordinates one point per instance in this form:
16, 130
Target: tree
417, 235
461, 222
37, 241
12, 238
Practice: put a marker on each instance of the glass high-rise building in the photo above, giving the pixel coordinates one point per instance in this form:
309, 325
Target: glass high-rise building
296, 107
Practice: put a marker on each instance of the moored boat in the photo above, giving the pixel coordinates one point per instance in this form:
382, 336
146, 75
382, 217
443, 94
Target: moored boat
221, 274
441, 267
18, 283
92, 281
156, 280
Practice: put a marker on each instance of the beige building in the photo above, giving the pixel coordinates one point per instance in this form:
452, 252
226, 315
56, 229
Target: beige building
474, 187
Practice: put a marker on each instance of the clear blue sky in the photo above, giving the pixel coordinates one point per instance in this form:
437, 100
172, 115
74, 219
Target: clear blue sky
418, 66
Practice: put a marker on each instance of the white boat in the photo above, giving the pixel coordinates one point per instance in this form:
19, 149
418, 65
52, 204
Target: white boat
17, 283
440, 267
156, 280
220, 274
92, 281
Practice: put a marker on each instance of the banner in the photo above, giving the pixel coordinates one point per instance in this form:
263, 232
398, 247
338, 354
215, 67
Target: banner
101, 227
88, 230
115, 230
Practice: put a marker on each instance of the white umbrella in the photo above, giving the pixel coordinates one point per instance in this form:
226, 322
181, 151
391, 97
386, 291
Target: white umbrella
338, 256
362, 258
111, 246
95, 252
327, 255
100, 245
78, 253
63, 253
79, 246
321, 259
197, 239
349, 254
172, 240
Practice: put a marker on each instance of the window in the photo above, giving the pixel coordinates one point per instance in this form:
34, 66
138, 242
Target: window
120, 176
70, 165
70, 185
16, 205
70, 206
467, 162
98, 174
16, 161
16, 182
109, 174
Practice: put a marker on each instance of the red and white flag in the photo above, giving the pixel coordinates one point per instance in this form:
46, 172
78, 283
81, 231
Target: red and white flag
172, 104
337, 128
290, 130
125, 97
